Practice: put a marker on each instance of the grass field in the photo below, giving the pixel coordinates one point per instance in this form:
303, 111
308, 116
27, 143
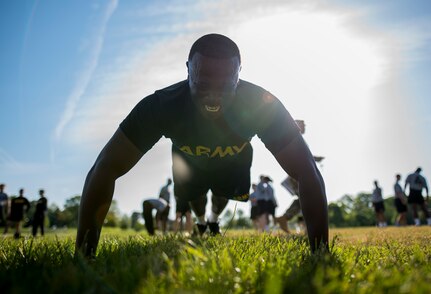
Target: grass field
363, 260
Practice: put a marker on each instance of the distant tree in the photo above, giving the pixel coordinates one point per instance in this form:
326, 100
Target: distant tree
241, 221
237, 220
112, 218
124, 222
227, 217
53, 215
69, 216
336, 214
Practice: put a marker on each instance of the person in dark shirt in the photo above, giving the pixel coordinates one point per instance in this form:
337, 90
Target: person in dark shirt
210, 118
4, 199
19, 206
39, 214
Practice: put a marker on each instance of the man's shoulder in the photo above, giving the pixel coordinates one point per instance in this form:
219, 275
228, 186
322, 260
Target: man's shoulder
173, 91
249, 89
164, 101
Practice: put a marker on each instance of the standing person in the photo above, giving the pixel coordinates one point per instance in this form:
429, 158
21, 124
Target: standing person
210, 118
183, 210
164, 192
162, 208
40, 213
379, 206
19, 206
254, 208
417, 183
3, 206
400, 202
270, 199
263, 208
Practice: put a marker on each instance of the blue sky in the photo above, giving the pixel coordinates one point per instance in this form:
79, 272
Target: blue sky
357, 72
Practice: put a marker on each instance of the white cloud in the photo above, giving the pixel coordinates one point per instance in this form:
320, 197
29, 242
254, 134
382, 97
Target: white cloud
85, 76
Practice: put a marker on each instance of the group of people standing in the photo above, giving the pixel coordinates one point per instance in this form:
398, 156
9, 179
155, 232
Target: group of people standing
416, 184
14, 209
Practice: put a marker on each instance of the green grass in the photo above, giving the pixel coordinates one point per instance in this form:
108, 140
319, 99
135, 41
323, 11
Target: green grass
366, 260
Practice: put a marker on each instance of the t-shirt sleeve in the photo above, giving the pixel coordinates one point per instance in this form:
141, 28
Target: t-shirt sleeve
142, 125
277, 127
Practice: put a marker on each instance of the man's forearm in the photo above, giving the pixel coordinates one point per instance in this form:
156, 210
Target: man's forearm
315, 210
96, 199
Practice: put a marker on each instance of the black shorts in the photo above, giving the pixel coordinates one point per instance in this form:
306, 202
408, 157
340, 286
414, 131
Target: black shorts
265, 207
253, 212
231, 182
379, 206
416, 197
401, 207
182, 206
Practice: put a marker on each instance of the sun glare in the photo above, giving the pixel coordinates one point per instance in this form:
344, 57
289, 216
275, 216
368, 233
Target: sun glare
323, 70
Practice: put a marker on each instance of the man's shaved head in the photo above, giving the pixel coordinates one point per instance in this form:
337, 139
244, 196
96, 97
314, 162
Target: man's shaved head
215, 46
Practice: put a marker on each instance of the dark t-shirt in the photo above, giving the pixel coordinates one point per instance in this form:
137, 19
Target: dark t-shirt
41, 207
18, 205
211, 144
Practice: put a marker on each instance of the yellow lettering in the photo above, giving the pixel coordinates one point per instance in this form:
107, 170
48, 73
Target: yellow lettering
239, 149
221, 153
202, 150
186, 149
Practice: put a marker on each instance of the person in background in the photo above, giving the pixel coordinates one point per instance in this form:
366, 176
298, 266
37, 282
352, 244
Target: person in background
400, 202
253, 206
40, 213
263, 208
165, 193
19, 206
416, 182
183, 210
379, 206
294, 209
3, 206
271, 201
162, 208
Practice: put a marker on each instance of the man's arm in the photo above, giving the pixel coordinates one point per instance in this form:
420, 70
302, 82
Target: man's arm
117, 158
297, 160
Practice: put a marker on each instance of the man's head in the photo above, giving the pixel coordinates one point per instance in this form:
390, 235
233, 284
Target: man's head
41, 192
267, 179
418, 170
21, 192
169, 181
376, 183
398, 177
2, 187
213, 67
